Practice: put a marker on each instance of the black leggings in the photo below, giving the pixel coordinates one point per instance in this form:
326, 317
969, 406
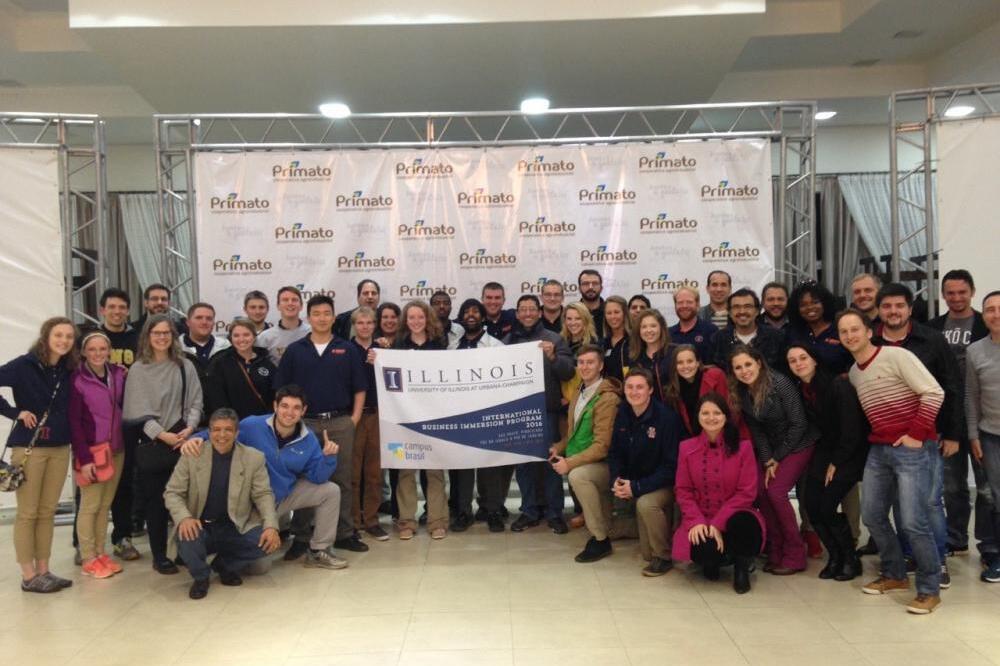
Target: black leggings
822, 501
157, 516
742, 539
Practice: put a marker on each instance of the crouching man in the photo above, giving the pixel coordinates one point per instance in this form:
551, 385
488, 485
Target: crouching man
221, 502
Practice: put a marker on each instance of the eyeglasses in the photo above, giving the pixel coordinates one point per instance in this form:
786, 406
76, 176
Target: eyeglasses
160, 334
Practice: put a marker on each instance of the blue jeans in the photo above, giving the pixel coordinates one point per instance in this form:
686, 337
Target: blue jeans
527, 475
906, 473
935, 510
234, 551
991, 468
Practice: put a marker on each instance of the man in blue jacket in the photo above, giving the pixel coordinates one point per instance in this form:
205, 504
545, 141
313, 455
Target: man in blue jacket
298, 468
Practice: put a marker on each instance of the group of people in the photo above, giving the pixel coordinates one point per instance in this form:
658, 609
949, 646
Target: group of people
273, 429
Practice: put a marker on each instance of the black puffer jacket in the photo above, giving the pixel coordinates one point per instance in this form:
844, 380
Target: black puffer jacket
247, 388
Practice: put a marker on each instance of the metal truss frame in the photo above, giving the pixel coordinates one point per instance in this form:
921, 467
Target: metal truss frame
913, 115
790, 125
82, 155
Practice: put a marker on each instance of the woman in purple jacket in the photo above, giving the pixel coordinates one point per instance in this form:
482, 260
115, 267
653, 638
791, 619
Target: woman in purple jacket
95, 416
715, 489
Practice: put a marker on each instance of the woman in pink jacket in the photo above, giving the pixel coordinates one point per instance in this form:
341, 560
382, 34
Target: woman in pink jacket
715, 489
95, 416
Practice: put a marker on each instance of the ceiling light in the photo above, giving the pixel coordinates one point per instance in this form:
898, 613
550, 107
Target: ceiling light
335, 110
959, 111
825, 115
870, 62
908, 34
535, 105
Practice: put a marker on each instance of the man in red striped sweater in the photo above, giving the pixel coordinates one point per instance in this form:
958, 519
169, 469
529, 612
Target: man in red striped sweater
901, 399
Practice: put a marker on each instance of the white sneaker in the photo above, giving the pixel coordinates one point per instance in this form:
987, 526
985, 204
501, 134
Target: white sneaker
324, 559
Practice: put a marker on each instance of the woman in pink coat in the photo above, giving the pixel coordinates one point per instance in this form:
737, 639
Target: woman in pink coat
715, 489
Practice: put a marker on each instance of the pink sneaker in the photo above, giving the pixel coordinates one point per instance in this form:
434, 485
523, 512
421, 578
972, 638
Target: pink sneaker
96, 569
113, 566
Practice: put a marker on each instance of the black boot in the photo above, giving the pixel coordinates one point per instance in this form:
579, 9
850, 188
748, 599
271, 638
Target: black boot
835, 554
741, 575
851, 567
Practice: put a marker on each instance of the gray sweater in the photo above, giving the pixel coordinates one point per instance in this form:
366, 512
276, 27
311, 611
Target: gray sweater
276, 339
153, 394
982, 387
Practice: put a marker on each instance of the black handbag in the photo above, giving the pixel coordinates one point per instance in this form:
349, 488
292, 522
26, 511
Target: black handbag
153, 456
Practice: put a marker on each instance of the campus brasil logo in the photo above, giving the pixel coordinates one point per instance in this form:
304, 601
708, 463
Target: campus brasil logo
397, 451
603, 256
232, 203
295, 170
601, 195
418, 168
539, 167
423, 289
308, 292
421, 230
536, 286
726, 251
725, 191
358, 200
480, 259
665, 224
542, 227
239, 265
662, 161
664, 284
360, 262
300, 233
480, 198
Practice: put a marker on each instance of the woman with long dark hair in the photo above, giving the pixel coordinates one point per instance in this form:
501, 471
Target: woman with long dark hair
617, 329
811, 309
40, 439
164, 396
240, 377
636, 306
832, 406
650, 348
689, 381
715, 489
387, 324
783, 439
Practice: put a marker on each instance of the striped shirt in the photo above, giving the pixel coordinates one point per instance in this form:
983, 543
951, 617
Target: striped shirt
898, 394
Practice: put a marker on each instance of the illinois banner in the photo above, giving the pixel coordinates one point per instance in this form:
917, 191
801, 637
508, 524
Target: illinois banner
461, 409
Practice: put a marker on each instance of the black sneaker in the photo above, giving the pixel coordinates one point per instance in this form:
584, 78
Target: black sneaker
481, 515
657, 567
523, 522
868, 549
945, 580
199, 589
461, 523
295, 551
559, 526
594, 550
166, 567
495, 522
951, 550
352, 543
376, 532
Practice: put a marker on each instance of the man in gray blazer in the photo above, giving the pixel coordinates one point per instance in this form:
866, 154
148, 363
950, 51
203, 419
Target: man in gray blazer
221, 502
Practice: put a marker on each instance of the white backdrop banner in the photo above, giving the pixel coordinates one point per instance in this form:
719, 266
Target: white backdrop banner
968, 151
31, 268
650, 217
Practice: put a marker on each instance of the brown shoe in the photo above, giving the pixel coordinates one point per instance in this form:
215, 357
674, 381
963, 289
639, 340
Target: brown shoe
577, 521
784, 571
439, 533
882, 585
405, 533
923, 604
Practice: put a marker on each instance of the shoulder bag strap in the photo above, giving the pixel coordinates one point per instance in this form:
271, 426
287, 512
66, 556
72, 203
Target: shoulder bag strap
246, 375
41, 421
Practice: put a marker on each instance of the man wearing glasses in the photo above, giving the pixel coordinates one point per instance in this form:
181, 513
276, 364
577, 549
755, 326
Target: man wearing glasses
743, 306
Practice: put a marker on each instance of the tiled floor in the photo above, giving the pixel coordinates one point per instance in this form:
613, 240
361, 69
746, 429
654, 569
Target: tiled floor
483, 599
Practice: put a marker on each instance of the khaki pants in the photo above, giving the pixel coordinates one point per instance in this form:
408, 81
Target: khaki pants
366, 472
341, 430
437, 502
654, 513
37, 498
592, 485
92, 517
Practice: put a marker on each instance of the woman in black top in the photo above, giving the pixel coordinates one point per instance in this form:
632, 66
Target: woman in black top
832, 406
650, 348
617, 329
387, 324
811, 308
636, 306
783, 440
240, 377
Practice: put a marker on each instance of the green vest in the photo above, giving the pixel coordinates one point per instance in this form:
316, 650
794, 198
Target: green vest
583, 430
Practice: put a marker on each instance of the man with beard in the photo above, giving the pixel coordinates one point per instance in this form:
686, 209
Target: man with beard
441, 304
864, 289
691, 329
590, 284
369, 294
775, 299
156, 300
743, 306
492, 482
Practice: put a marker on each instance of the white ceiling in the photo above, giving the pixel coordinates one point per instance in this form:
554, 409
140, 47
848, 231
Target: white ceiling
798, 49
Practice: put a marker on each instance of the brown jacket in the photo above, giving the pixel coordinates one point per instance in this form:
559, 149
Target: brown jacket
602, 423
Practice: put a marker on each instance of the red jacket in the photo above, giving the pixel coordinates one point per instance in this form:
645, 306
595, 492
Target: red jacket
711, 486
713, 379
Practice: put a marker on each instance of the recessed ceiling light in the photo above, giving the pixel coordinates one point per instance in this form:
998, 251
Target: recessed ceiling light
335, 110
959, 111
535, 105
825, 115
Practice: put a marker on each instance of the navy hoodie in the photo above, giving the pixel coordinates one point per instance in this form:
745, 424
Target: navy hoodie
33, 384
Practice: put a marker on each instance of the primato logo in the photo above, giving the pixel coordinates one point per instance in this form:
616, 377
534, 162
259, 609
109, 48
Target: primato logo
601, 195
358, 200
662, 161
539, 167
359, 263
309, 292
422, 289
542, 227
300, 233
420, 169
726, 251
536, 286
603, 256
421, 230
480, 198
296, 171
239, 265
664, 284
724, 191
480, 259
664, 224
234, 204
